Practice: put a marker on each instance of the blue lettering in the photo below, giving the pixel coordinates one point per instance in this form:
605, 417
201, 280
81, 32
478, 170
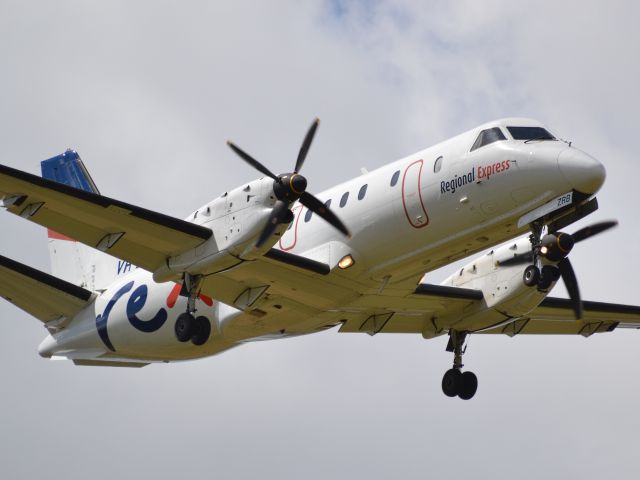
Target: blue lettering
101, 320
457, 181
123, 266
135, 304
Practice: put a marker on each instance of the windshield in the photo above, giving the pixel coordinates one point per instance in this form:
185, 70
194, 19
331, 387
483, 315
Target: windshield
530, 133
488, 136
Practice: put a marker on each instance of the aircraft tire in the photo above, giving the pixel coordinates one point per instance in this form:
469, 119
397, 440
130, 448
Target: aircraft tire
548, 275
467, 385
185, 326
450, 382
531, 276
202, 331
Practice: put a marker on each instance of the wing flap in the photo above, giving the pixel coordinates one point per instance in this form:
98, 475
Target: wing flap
427, 310
554, 316
42, 295
142, 237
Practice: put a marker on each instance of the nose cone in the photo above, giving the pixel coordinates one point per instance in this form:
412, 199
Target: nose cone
582, 171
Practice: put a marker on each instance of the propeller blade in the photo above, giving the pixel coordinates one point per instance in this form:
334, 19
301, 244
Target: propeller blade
518, 259
251, 161
278, 215
316, 206
592, 230
304, 148
571, 282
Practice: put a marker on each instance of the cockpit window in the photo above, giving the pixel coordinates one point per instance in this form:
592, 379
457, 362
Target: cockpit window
488, 136
530, 133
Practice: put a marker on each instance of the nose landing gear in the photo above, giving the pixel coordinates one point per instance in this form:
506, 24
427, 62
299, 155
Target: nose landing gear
456, 383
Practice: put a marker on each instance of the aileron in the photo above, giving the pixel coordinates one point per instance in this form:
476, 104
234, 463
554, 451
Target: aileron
556, 316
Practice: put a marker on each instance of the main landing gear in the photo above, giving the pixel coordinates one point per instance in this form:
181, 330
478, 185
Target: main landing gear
457, 383
188, 326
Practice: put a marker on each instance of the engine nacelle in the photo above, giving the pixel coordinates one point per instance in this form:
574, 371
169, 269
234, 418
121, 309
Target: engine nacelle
236, 219
502, 285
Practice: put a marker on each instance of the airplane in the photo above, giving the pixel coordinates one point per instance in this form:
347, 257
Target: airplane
269, 260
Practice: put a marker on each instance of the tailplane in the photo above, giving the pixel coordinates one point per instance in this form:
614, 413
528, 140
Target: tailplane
70, 260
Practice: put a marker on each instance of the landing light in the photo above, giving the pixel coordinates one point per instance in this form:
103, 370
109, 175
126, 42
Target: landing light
544, 250
346, 262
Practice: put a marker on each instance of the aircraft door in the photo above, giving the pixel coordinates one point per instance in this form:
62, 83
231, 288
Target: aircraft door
412, 202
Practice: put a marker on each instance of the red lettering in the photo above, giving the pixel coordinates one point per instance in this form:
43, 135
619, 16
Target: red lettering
488, 170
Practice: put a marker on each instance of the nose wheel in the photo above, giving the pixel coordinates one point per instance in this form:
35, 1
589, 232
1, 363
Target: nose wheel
456, 383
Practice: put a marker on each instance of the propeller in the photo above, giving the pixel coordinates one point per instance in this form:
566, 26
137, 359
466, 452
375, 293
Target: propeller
556, 247
289, 187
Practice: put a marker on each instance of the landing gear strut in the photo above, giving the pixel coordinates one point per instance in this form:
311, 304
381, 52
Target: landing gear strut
188, 326
533, 273
537, 275
456, 383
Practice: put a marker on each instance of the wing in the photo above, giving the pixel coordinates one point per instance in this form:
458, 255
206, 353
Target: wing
142, 237
428, 310
555, 316
285, 294
279, 294
279, 298
42, 295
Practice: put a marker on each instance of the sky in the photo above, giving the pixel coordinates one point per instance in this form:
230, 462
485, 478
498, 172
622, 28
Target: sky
148, 92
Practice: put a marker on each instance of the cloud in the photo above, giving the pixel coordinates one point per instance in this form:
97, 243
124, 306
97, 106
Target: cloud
148, 92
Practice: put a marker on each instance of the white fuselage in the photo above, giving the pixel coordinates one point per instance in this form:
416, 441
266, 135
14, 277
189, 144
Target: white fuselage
407, 218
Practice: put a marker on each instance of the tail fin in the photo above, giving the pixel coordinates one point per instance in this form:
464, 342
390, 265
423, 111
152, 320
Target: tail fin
70, 260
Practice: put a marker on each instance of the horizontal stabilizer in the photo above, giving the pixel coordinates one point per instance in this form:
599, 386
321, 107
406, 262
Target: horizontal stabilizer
42, 295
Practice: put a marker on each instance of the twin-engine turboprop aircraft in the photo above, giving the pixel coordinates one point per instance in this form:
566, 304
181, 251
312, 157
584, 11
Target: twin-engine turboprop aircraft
270, 260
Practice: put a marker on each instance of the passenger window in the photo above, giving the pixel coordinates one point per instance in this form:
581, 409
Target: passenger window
343, 200
362, 192
437, 165
488, 136
394, 178
327, 203
307, 216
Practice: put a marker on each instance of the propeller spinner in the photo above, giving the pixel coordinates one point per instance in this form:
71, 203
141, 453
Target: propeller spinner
289, 187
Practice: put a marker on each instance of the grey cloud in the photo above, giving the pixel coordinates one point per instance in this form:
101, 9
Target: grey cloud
148, 92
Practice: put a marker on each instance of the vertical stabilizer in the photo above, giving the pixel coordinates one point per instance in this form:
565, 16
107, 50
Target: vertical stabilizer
71, 260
